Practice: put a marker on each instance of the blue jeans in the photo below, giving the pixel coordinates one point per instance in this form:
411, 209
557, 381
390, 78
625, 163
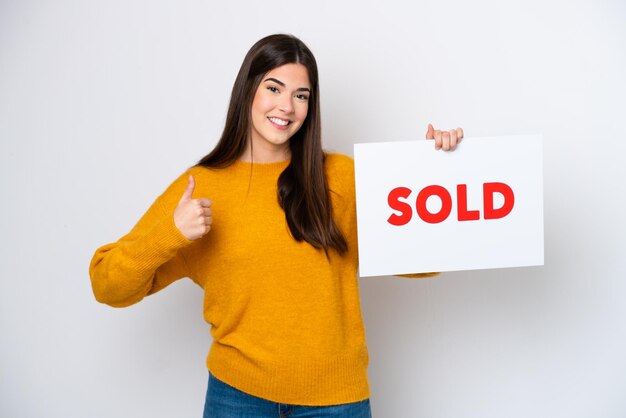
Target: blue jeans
224, 401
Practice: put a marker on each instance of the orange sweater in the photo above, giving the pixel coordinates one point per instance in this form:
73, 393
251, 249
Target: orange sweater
285, 319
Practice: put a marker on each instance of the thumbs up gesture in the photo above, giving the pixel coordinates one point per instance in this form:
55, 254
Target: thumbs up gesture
193, 217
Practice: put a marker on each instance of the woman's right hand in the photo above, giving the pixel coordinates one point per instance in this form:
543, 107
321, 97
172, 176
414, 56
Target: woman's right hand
193, 217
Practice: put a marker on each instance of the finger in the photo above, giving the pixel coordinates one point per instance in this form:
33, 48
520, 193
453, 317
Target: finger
430, 132
202, 230
191, 185
207, 212
207, 225
453, 139
459, 134
445, 141
437, 139
204, 202
198, 210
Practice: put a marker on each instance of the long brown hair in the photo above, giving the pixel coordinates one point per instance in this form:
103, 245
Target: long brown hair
302, 187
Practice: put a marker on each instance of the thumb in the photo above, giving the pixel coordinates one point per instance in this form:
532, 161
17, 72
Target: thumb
430, 133
191, 185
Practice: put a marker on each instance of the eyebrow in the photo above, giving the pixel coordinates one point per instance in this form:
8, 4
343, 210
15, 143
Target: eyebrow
283, 84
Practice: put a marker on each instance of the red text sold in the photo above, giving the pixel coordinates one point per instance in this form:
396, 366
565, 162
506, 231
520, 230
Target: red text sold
397, 200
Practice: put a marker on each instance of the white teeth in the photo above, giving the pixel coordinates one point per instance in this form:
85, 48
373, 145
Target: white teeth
279, 121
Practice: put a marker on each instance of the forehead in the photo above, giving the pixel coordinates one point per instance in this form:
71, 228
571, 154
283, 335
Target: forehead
293, 75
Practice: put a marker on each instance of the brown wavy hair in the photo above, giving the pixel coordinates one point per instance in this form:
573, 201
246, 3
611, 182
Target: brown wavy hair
302, 187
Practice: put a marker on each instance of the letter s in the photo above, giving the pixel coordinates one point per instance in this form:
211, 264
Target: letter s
402, 207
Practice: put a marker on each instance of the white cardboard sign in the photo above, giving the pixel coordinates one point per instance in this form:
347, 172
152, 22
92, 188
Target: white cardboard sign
422, 210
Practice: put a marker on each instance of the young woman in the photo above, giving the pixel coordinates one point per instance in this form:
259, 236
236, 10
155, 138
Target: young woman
266, 225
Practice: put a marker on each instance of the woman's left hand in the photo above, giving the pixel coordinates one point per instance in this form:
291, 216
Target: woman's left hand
446, 140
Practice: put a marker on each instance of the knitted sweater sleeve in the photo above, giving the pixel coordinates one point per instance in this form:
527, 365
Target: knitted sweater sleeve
143, 261
418, 275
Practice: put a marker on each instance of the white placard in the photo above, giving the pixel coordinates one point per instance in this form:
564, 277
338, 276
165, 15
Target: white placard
404, 190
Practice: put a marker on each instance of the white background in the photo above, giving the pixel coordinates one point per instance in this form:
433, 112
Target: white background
103, 103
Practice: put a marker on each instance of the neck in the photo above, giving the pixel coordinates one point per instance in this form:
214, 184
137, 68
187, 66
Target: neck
260, 154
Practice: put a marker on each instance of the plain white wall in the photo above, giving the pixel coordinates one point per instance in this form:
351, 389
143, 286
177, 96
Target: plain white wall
103, 103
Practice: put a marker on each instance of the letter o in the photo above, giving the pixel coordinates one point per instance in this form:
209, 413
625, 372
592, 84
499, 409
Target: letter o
446, 204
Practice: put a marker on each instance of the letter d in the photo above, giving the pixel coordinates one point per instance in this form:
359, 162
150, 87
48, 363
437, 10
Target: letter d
509, 200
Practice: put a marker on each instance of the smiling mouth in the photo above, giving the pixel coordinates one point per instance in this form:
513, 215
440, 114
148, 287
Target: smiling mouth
279, 122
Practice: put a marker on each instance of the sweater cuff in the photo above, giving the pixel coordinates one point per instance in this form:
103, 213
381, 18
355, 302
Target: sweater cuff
161, 243
417, 275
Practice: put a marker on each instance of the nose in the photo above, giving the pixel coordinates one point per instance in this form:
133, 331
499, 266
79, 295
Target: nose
286, 104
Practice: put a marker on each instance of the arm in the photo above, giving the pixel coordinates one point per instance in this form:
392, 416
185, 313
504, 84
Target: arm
147, 259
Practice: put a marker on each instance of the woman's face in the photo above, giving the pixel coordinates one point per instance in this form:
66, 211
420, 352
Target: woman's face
279, 108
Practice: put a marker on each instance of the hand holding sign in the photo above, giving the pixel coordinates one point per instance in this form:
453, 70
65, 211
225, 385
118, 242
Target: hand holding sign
447, 140
193, 217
